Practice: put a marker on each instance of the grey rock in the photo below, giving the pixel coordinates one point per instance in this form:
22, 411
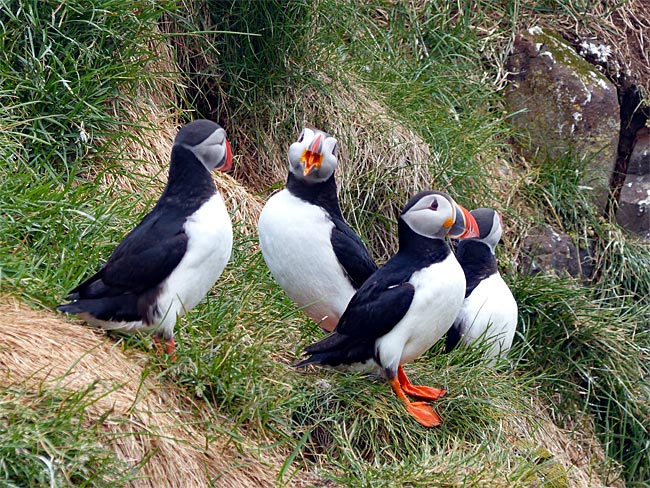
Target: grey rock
546, 251
564, 107
640, 157
633, 212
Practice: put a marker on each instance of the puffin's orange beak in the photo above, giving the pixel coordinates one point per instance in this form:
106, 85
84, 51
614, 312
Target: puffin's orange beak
465, 225
228, 162
312, 157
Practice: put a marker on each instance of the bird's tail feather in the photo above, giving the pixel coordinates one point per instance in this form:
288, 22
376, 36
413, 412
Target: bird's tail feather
119, 308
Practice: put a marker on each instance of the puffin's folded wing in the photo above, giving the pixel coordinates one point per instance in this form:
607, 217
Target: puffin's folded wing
136, 271
375, 309
352, 254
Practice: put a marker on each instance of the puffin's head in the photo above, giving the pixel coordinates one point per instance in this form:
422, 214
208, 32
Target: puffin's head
435, 214
489, 225
207, 141
312, 158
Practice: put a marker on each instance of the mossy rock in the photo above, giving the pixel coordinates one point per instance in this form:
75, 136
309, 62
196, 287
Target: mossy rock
562, 107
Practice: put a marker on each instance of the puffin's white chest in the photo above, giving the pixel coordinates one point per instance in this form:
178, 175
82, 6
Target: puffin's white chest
209, 246
492, 308
295, 241
439, 294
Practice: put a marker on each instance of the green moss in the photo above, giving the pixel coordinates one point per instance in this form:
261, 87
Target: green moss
564, 54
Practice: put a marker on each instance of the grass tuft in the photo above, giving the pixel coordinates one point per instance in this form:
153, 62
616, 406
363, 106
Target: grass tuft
48, 441
594, 359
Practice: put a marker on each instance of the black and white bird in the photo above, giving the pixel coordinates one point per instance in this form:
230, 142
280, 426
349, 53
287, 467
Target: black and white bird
489, 311
170, 260
389, 321
309, 248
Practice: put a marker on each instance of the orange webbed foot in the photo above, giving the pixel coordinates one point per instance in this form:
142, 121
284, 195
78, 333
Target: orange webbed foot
424, 414
169, 347
422, 411
419, 391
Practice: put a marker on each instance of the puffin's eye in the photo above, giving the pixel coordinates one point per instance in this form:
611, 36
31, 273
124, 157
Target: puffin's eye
434, 204
302, 136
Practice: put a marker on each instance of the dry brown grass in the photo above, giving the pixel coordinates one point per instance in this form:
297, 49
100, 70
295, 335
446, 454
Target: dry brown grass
577, 451
40, 352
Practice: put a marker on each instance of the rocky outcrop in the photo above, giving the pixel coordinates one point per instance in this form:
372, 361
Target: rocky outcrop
640, 158
630, 180
633, 211
546, 251
564, 107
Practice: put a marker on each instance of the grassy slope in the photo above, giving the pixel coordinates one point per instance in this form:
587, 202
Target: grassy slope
422, 76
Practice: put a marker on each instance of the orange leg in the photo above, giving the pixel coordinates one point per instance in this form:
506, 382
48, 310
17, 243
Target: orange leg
418, 391
422, 411
169, 348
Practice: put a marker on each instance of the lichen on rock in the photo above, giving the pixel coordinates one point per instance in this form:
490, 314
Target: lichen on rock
563, 107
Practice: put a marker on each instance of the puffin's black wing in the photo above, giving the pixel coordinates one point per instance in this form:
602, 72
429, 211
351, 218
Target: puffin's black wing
351, 253
146, 256
373, 311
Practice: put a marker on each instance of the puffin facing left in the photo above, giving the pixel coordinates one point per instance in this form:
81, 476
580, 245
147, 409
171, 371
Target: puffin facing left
170, 260
489, 310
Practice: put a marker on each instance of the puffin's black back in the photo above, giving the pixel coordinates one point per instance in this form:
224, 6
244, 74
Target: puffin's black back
477, 261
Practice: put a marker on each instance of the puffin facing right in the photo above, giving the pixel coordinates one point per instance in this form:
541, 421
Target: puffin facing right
489, 311
389, 322
171, 259
310, 250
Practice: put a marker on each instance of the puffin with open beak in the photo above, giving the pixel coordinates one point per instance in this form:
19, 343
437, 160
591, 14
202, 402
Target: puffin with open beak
407, 305
309, 248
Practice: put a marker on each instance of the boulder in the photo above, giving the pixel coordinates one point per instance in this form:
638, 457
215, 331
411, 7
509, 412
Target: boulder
563, 107
633, 211
546, 251
640, 157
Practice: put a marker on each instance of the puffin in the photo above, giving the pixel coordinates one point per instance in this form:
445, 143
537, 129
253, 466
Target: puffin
388, 321
170, 260
489, 311
309, 248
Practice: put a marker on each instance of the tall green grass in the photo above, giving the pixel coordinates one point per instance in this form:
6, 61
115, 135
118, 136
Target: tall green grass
70, 76
243, 58
594, 340
67, 69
